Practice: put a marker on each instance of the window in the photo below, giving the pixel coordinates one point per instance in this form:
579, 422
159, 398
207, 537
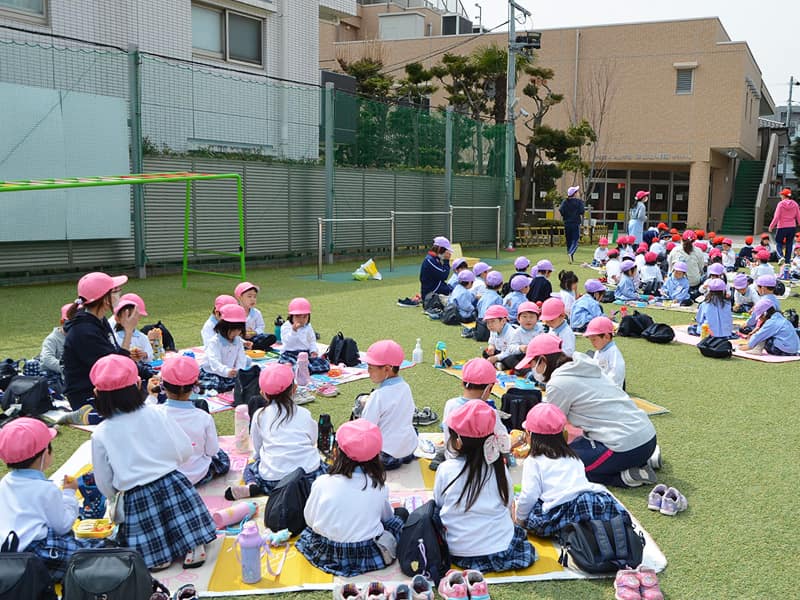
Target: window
685, 81
29, 10
228, 35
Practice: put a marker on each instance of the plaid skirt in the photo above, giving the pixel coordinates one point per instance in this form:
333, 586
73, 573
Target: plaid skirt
587, 506
315, 365
251, 476
347, 559
520, 554
165, 519
216, 382
220, 464
56, 550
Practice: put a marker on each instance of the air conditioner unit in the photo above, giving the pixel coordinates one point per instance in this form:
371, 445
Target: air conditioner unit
455, 25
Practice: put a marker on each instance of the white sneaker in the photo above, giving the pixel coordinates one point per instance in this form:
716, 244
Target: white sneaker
303, 396
655, 461
347, 591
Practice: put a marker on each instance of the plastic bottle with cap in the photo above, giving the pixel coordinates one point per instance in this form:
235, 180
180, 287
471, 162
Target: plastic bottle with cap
278, 324
416, 355
705, 331
302, 376
249, 548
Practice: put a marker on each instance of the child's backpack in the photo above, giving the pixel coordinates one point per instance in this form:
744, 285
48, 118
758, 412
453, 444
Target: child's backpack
166, 337
715, 347
31, 393
286, 503
422, 549
432, 302
23, 574
343, 350
608, 297
450, 315
601, 546
633, 325
481, 331
246, 390
108, 573
791, 316
659, 333
8, 370
517, 402
780, 289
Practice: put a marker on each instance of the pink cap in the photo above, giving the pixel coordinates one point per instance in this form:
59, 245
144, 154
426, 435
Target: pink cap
762, 255
521, 263
494, 278
233, 313
670, 246
528, 306
180, 370
474, 419
599, 326
479, 371
94, 286
786, 192
740, 281
627, 265
716, 285
520, 282
65, 310
24, 438
689, 235
767, 281
702, 245
761, 307
642, 194
541, 345
360, 439
466, 276
275, 377
131, 300
241, 288
495, 311
593, 286
552, 308
603, 241
385, 352
442, 242
544, 265
613, 252
299, 306
459, 262
480, 268
727, 241
642, 247
545, 419
114, 372
222, 300
572, 190
714, 252
716, 269
650, 257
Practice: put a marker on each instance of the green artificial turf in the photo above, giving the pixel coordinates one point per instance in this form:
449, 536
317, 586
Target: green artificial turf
728, 443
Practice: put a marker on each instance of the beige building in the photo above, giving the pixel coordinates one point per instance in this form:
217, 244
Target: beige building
682, 100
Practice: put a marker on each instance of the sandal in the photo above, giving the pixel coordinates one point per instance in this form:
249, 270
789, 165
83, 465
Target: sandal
626, 585
161, 567
426, 416
195, 558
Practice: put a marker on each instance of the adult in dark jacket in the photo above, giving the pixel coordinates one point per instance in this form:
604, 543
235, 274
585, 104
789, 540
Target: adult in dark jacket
90, 337
572, 209
435, 268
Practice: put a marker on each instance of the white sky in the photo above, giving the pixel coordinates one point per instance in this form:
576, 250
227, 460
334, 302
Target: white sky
770, 27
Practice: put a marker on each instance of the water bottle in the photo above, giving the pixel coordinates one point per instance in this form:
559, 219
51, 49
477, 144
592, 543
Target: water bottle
249, 548
324, 434
416, 355
278, 324
157, 344
241, 428
301, 376
705, 331
439, 354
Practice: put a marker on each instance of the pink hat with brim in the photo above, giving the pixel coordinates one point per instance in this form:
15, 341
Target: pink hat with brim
243, 287
545, 419
689, 235
442, 242
223, 300
24, 438
599, 326
495, 311
474, 419
592, 286
528, 306
603, 241
385, 352
552, 308
494, 278
275, 378
479, 371
114, 372
520, 282
65, 310
131, 300
233, 313
541, 345
299, 306
642, 194
180, 370
93, 286
480, 268
360, 440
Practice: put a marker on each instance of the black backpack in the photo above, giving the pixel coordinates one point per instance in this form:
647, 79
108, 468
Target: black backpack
108, 573
422, 548
659, 333
481, 331
286, 503
450, 315
432, 302
608, 297
343, 350
31, 393
715, 347
517, 402
23, 574
166, 337
791, 316
780, 288
633, 325
601, 546
246, 389
8, 370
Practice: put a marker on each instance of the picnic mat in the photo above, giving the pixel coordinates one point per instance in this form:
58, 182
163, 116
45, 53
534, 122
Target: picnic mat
682, 336
221, 575
505, 381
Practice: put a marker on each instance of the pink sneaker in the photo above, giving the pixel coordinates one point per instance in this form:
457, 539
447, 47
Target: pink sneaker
453, 586
476, 585
377, 591
648, 580
626, 585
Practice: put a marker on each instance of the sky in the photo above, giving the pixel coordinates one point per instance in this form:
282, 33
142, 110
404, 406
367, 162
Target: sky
770, 27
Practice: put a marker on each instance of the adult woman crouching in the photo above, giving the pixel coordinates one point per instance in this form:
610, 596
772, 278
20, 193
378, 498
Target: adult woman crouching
618, 446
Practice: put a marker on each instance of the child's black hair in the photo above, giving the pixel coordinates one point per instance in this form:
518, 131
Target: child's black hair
284, 403
768, 313
716, 259
552, 446
177, 390
566, 279
476, 469
75, 306
552, 362
474, 386
495, 287
465, 284
29, 462
127, 309
631, 270
373, 469
126, 400
290, 318
716, 298
225, 327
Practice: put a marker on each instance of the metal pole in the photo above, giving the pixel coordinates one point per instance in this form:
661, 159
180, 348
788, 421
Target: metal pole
137, 159
319, 247
448, 160
186, 213
450, 229
497, 249
330, 187
511, 89
240, 209
792, 83
391, 241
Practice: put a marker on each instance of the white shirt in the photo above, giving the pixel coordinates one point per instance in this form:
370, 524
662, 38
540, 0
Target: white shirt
221, 356
553, 481
639, 260
302, 340
564, 331
652, 273
284, 446
502, 341
568, 298
207, 332
202, 432
133, 449
759, 270
729, 258
486, 528
613, 270
750, 295
522, 337
391, 407
30, 505
658, 248
255, 322
450, 406
601, 254
611, 362
138, 340
341, 509
478, 287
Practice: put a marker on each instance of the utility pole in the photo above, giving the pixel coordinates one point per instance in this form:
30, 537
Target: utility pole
792, 83
511, 92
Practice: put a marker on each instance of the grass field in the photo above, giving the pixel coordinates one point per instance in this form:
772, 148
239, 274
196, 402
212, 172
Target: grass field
727, 444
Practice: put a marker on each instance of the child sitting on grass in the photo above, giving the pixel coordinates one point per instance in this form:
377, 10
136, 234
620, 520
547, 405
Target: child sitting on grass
555, 318
600, 253
519, 288
207, 332
500, 337
459, 265
140, 348
491, 296
744, 295
626, 288
224, 356
568, 287
480, 270
600, 333
541, 289
773, 334
462, 296
51, 353
587, 307
247, 295
715, 310
298, 336
676, 287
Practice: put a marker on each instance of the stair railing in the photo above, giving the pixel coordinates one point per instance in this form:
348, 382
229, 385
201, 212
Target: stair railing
763, 187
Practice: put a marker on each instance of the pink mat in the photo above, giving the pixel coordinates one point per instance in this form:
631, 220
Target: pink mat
682, 336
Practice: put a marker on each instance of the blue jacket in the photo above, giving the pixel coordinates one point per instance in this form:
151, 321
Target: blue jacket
783, 335
572, 210
676, 289
719, 318
512, 302
584, 310
464, 301
488, 298
540, 289
751, 322
433, 276
626, 290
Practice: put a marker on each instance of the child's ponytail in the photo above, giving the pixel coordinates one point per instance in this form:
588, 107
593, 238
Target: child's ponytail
74, 307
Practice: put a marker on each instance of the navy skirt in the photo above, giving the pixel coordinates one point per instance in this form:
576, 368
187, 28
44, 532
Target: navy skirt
520, 554
56, 550
252, 477
220, 465
586, 506
216, 382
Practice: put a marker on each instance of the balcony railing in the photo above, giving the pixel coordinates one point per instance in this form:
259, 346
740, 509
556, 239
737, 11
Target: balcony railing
442, 6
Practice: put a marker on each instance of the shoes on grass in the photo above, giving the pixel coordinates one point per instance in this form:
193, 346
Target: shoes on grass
476, 585
303, 396
673, 502
407, 302
76, 417
626, 585
656, 497
327, 390
347, 591
378, 591
426, 416
426, 446
468, 332
649, 587
638, 476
